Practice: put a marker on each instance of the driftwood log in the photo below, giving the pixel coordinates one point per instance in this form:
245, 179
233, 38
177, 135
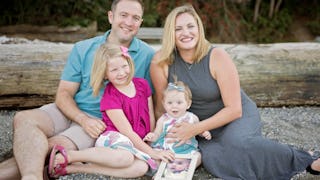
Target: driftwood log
52, 33
284, 74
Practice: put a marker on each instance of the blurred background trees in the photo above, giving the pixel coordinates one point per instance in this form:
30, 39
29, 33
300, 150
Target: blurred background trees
226, 21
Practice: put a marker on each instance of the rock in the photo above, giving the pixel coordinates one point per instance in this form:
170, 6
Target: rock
297, 126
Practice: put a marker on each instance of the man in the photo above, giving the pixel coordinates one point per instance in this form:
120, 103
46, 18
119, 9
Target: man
74, 120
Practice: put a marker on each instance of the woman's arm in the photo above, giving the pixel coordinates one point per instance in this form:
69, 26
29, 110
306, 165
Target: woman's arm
159, 80
224, 71
151, 114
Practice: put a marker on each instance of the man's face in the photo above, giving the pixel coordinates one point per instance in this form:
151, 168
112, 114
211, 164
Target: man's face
125, 21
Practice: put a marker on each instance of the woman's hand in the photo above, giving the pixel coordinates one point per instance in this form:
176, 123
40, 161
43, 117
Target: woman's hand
162, 155
182, 132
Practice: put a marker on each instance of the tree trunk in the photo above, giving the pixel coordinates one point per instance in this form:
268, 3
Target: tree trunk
284, 74
256, 10
271, 8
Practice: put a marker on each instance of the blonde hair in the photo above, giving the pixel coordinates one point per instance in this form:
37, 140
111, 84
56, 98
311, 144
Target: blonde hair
98, 73
179, 86
168, 40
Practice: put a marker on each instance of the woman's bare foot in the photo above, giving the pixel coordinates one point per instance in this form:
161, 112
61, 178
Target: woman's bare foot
316, 165
314, 168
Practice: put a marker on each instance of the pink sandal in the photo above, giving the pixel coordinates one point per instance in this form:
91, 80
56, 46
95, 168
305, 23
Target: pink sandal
59, 169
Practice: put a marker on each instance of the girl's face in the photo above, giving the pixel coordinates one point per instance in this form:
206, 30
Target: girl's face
186, 32
175, 103
118, 71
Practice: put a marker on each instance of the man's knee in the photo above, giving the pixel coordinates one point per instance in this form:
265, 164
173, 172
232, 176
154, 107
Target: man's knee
33, 119
21, 119
63, 141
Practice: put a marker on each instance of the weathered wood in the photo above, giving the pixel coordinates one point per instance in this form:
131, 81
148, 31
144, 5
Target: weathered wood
282, 74
150, 33
29, 73
52, 33
279, 74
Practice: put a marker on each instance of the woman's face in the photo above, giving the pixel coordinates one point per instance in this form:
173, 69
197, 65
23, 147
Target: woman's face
186, 32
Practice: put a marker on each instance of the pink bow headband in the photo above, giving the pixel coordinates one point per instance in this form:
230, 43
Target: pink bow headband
124, 51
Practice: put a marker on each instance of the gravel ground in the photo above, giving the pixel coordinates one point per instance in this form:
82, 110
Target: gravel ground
297, 126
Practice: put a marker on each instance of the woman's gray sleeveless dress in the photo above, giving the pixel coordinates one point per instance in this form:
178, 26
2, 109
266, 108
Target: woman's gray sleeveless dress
236, 150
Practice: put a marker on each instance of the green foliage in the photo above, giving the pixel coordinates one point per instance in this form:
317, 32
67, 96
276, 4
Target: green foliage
226, 21
47, 12
268, 30
314, 27
150, 17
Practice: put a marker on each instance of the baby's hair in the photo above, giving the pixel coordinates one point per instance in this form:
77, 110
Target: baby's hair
179, 86
104, 53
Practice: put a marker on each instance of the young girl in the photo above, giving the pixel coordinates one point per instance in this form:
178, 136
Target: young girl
127, 111
176, 101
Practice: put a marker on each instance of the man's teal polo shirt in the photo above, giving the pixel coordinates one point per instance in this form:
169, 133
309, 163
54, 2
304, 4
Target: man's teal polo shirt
79, 63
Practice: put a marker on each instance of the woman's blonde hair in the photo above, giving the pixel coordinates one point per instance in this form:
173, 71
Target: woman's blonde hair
98, 73
168, 40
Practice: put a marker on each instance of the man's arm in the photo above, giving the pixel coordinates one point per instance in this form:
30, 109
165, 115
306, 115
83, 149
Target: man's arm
66, 103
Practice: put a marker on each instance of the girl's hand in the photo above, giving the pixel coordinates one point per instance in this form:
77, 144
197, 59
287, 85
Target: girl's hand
181, 132
162, 155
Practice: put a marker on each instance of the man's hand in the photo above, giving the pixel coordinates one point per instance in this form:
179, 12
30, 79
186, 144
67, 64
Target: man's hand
94, 127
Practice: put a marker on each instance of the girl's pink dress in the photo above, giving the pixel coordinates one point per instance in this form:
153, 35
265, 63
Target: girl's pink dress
137, 112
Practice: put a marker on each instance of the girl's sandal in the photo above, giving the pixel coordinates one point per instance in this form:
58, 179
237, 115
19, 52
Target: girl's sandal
59, 169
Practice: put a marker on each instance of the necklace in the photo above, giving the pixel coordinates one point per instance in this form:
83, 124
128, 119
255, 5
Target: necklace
188, 65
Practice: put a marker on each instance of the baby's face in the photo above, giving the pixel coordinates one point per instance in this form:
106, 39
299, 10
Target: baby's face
179, 165
175, 103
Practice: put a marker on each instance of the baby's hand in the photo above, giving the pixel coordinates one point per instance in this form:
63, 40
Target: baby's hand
206, 135
150, 137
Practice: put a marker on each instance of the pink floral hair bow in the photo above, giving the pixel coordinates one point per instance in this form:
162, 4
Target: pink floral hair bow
124, 51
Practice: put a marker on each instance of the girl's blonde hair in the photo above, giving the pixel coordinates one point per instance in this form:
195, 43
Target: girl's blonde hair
99, 68
179, 86
168, 40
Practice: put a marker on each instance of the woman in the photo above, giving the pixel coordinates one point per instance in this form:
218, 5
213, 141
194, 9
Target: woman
237, 149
